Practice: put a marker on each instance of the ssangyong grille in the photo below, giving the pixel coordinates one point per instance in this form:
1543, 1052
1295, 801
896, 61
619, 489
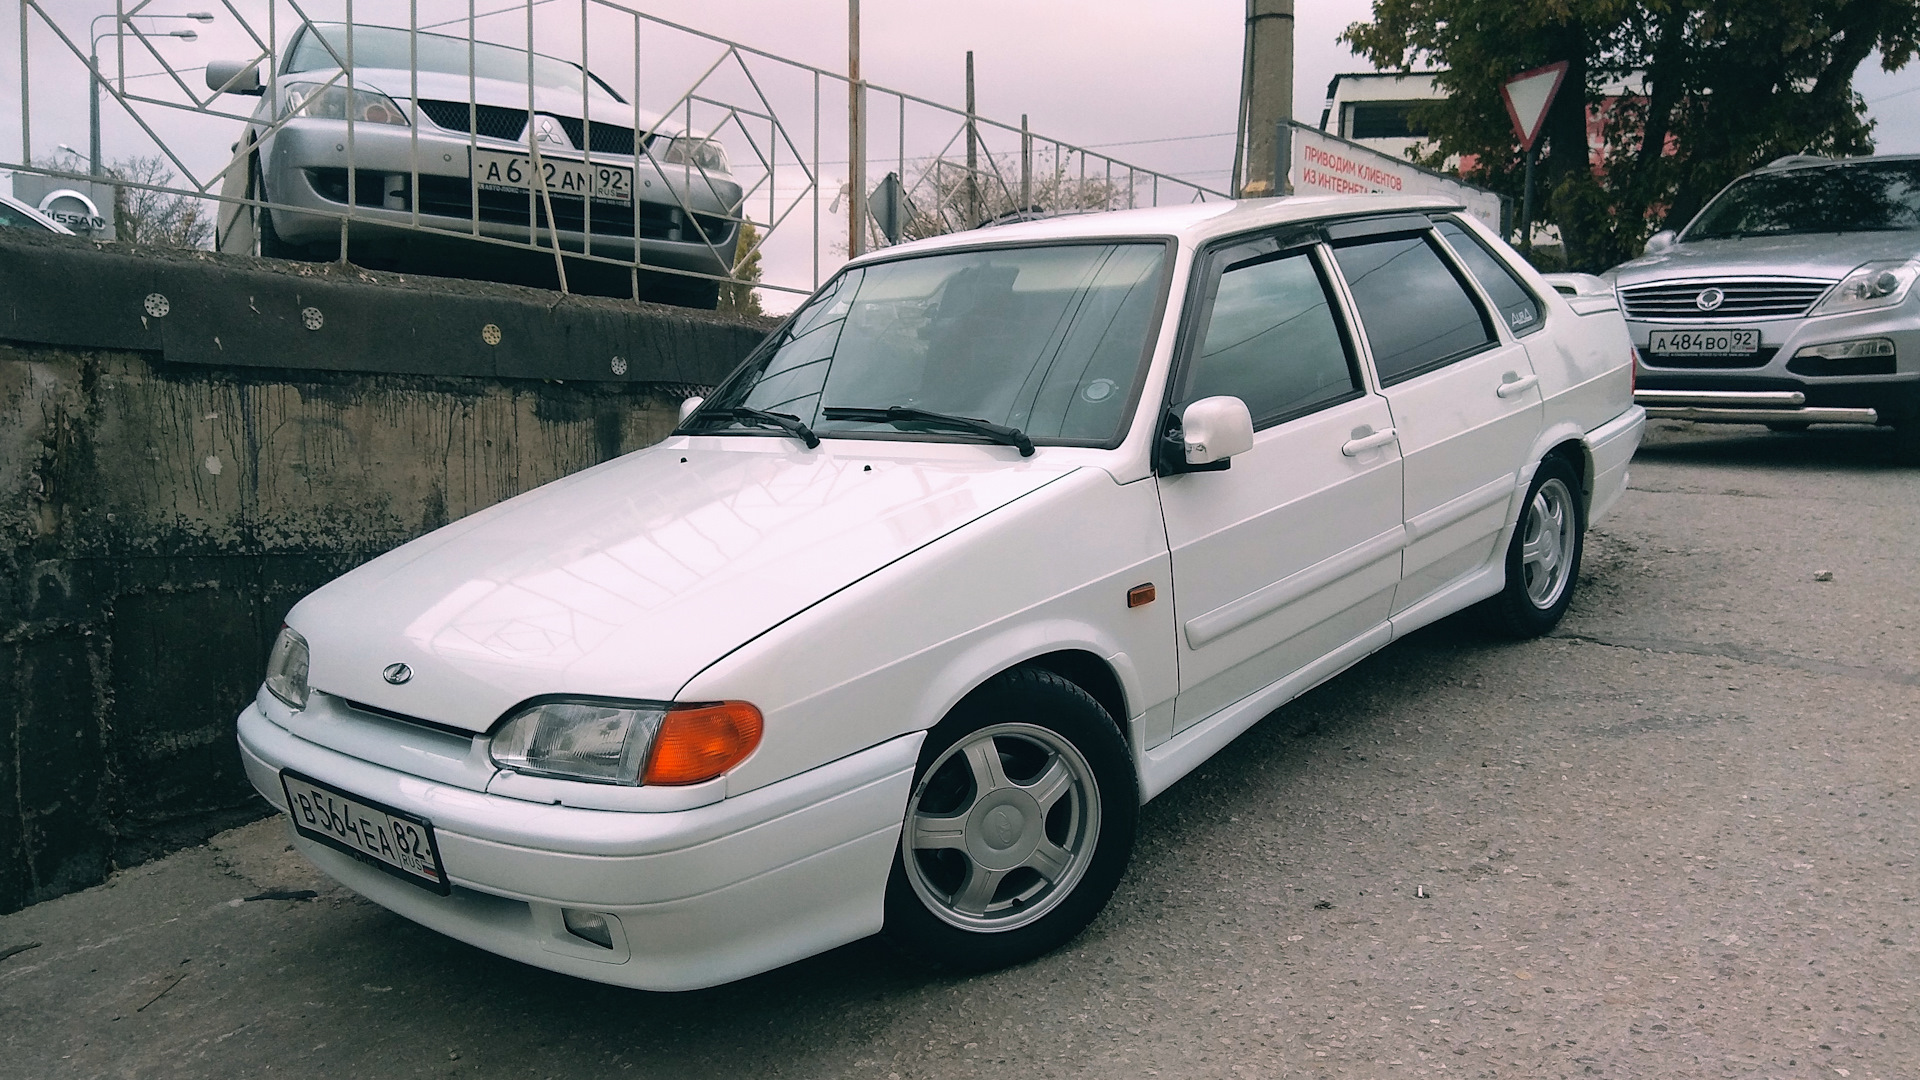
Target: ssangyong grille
1736, 299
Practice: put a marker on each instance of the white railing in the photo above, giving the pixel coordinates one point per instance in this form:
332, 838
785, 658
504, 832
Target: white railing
784, 125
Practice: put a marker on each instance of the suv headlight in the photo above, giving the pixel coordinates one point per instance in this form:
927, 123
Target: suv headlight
627, 742
331, 103
287, 669
707, 155
1874, 285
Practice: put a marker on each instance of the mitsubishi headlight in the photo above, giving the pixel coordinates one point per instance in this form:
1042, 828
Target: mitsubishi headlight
627, 742
332, 103
287, 669
1874, 285
707, 155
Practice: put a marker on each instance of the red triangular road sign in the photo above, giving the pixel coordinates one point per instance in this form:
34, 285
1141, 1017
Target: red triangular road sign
1528, 96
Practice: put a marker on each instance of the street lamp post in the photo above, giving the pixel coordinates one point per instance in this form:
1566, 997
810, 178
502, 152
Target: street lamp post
93, 73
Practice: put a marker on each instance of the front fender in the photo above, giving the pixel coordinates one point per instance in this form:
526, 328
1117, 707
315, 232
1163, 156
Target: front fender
893, 652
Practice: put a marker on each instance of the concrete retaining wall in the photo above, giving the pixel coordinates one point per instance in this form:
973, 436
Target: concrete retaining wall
159, 513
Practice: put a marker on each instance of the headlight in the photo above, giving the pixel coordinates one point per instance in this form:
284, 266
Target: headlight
287, 669
707, 155
330, 103
1875, 285
628, 743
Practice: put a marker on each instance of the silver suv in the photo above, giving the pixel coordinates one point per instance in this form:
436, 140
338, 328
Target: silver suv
1786, 301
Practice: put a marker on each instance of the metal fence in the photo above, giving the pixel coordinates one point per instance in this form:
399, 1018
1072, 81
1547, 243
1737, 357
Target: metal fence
577, 139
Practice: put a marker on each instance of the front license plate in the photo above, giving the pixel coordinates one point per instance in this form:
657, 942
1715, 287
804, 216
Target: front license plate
402, 844
1704, 342
495, 171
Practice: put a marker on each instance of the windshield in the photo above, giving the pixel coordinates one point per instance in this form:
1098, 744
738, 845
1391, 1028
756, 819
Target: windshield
1874, 196
1051, 341
384, 47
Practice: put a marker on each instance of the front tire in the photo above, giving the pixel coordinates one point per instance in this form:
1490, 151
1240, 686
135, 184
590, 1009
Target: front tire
1543, 560
1019, 825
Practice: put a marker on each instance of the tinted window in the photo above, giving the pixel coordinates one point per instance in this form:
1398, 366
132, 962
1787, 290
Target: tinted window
1051, 340
1516, 305
1271, 341
1872, 196
1416, 313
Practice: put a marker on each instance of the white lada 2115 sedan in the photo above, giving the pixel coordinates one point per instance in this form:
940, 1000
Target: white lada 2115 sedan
998, 537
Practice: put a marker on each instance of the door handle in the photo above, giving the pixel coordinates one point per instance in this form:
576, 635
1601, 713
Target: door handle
1514, 383
1360, 444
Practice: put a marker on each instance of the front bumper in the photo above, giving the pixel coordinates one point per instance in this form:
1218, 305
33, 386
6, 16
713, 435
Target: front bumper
698, 897
683, 220
1759, 400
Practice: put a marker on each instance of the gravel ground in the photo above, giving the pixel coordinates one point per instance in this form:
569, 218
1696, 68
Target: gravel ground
1677, 838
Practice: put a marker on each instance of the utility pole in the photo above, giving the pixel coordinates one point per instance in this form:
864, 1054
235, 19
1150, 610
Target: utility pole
973, 152
856, 138
1266, 98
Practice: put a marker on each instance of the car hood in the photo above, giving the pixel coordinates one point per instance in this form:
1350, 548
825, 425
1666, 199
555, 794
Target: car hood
439, 85
1817, 255
627, 579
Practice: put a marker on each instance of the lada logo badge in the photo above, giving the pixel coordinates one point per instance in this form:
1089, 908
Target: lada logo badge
397, 673
1709, 299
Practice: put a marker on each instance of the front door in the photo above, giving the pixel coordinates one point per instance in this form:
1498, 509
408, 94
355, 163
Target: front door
1295, 549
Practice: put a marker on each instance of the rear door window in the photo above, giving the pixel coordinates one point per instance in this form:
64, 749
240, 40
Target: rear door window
1272, 340
1516, 305
1417, 315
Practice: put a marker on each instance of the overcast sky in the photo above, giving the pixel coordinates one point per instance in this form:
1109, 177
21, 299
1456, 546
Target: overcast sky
1153, 83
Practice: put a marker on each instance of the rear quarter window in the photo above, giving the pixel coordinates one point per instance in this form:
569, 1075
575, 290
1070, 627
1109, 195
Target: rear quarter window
1516, 305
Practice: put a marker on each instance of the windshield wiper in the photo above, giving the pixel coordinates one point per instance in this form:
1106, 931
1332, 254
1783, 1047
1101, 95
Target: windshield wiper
898, 414
786, 422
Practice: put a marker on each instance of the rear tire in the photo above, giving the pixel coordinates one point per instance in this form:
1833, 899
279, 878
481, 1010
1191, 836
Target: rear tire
1019, 825
1543, 560
1906, 442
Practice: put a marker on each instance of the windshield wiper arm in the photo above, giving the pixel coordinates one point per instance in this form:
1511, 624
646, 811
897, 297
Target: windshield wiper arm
896, 414
786, 422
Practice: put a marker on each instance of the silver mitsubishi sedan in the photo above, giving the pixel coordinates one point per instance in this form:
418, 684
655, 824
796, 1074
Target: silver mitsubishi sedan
620, 180
1787, 301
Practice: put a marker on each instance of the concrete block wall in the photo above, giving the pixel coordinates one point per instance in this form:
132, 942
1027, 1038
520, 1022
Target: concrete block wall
158, 517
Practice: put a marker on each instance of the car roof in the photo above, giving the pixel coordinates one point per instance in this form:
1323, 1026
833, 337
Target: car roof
1190, 223
45, 222
1796, 162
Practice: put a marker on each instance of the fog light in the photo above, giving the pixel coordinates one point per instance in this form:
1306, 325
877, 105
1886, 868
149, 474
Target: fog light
588, 926
1850, 350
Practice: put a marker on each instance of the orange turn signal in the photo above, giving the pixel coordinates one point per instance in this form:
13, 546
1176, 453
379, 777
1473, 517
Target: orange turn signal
699, 742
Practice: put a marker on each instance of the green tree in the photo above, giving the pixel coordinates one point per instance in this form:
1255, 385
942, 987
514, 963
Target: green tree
1724, 86
738, 296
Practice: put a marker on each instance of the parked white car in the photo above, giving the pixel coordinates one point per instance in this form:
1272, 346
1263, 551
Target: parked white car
997, 538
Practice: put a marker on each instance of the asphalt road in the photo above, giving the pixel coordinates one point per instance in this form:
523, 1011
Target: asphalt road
1678, 838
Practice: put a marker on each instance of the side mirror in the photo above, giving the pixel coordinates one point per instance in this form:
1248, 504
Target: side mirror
1215, 429
1661, 241
688, 406
234, 77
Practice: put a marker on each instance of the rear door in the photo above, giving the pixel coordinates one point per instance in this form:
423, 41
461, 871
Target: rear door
1465, 401
1294, 550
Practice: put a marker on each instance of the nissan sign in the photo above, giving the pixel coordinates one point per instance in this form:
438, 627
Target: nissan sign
74, 210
